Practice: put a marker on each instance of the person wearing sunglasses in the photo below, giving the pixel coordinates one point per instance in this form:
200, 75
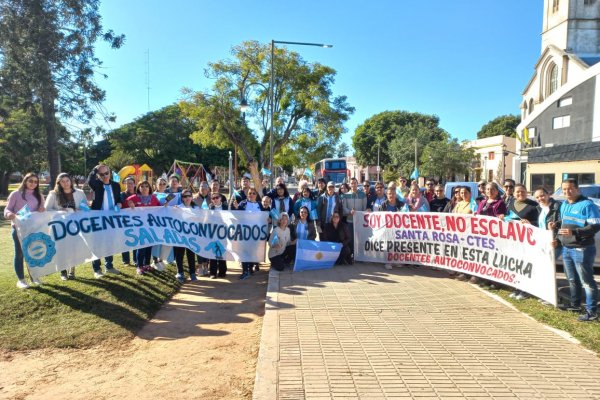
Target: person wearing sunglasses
429, 191
374, 203
440, 201
143, 198
403, 186
215, 188
509, 191
251, 204
65, 197
107, 197
456, 198
28, 194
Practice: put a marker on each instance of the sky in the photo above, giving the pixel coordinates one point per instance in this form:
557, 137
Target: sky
466, 61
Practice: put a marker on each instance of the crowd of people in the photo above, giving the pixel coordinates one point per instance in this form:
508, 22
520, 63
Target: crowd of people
326, 213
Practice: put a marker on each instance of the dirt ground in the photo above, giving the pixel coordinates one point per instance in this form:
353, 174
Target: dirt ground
203, 344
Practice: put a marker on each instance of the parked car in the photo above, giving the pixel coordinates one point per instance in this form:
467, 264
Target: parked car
591, 191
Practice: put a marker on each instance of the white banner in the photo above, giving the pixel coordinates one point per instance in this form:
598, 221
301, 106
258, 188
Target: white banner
511, 253
55, 240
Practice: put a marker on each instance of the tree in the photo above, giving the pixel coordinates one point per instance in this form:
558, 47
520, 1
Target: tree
503, 125
343, 149
446, 160
157, 139
395, 133
47, 57
304, 105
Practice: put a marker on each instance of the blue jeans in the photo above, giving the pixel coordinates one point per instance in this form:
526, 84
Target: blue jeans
579, 268
18, 260
108, 261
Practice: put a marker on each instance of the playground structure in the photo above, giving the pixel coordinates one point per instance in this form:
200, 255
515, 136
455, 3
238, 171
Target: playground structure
190, 174
139, 173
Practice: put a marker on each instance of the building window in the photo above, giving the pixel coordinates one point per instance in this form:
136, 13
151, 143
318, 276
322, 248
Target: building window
567, 101
555, 6
561, 122
588, 2
531, 106
491, 155
582, 179
547, 181
552, 79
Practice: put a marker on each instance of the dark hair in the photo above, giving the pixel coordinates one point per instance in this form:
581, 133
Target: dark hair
129, 178
58, 189
512, 181
36, 191
543, 189
139, 185
520, 185
310, 193
192, 203
281, 186
571, 181
307, 212
344, 185
321, 180
173, 176
468, 189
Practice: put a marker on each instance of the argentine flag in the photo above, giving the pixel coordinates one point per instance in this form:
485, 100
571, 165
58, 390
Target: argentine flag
311, 255
24, 213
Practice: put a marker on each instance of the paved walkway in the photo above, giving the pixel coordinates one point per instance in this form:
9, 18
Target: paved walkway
361, 332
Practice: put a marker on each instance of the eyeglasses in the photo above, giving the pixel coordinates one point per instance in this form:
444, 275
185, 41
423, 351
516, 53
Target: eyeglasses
215, 197
104, 173
186, 196
509, 186
402, 180
145, 186
252, 194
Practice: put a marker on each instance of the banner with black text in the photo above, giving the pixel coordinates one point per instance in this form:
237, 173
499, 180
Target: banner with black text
511, 253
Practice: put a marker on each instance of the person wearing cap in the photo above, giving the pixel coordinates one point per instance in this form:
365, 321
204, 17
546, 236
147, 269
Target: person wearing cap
481, 191
327, 204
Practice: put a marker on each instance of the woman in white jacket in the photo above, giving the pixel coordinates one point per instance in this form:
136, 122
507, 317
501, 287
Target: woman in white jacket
65, 197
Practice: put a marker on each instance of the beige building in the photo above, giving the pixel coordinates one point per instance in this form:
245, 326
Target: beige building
493, 158
560, 111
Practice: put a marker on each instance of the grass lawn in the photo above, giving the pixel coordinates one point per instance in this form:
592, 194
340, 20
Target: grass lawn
587, 333
80, 313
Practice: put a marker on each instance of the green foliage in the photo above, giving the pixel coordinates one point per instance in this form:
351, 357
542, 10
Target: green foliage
503, 125
304, 106
343, 149
398, 128
389, 175
47, 58
446, 160
157, 139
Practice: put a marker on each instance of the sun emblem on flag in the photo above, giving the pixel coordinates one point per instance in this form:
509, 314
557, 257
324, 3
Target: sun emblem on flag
319, 255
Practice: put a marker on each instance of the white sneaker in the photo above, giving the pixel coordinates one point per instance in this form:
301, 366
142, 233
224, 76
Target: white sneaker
159, 266
98, 275
514, 294
36, 281
388, 266
21, 284
113, 271
63, 277
205, 271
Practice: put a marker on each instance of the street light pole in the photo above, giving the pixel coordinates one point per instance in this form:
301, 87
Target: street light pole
378, 148
271, 99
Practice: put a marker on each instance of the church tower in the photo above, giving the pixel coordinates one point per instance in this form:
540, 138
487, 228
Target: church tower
572, 26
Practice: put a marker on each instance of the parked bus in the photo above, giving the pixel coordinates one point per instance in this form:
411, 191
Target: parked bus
332, 169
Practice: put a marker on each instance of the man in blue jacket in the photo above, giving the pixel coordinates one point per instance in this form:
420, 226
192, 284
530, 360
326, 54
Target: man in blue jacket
578, 223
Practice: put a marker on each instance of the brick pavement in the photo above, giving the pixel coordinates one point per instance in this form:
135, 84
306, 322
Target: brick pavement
361, 332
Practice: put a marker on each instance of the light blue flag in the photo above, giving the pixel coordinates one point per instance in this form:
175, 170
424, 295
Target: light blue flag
116, 177
205, 205
24, 213
274, 214
473, 205
316, 255
162, 197
275, 239
83, 205
308, 172
265, 171
117, 208
415, 174
511, 216
399, 195
424, 207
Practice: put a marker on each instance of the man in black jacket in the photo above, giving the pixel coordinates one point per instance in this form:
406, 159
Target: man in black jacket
107, 195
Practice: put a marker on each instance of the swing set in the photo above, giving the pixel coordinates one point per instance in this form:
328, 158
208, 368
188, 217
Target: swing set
190, 174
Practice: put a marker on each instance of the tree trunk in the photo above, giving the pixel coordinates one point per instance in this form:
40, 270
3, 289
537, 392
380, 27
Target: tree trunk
50, 128
4, 181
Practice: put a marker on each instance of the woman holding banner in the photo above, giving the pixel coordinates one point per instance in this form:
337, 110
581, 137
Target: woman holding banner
143, 198
186, 198
280, 243
26, 199
203, 200
129, 183
64, 197
218, 267
250, 204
